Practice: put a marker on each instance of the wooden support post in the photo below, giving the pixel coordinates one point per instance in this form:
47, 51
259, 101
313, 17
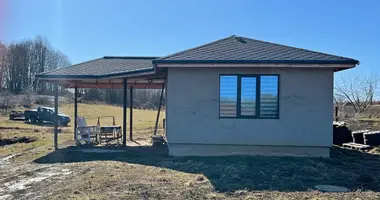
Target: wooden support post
56, 117
159, 108
125, 113
75, 112
131, 113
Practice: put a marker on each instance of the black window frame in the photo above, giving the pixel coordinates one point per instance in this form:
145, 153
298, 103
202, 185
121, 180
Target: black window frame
258, 96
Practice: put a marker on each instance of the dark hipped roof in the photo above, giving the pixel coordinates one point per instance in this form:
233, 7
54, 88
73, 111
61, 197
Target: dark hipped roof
235, 49
230, 50
103, 67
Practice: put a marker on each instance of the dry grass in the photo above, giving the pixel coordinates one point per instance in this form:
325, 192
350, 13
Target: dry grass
143, 127
375, 151
142, 119
149, 173
28, 151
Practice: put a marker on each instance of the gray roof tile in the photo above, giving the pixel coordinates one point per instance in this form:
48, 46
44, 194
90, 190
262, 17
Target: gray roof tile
232, 49
106, 66
235, 49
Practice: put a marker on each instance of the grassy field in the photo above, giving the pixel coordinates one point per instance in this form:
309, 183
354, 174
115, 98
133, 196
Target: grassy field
142, 119
143, 127
34, 171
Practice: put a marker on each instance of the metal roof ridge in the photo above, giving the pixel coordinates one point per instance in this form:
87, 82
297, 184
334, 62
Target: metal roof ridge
131, 57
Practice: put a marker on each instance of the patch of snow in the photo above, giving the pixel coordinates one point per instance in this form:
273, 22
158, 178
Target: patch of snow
22, 184
6, 159
5, 197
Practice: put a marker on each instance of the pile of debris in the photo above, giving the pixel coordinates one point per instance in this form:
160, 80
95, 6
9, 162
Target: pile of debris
158, 141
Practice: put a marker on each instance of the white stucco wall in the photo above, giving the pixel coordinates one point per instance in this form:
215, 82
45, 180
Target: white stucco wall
305, 108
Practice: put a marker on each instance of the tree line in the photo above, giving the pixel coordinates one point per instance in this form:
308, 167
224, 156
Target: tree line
21, 61
142, 98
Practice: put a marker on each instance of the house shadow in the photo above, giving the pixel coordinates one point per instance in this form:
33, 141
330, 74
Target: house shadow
352, 169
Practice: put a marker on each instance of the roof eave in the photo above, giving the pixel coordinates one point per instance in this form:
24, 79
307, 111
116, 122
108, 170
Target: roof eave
71, 77
353, 62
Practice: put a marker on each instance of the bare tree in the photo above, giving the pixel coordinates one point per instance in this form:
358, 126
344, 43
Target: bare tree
21, 61
3, 63
18, 62
40, 48
358, 92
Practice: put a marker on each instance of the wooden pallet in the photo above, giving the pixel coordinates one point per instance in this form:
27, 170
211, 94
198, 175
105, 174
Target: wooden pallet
356, 146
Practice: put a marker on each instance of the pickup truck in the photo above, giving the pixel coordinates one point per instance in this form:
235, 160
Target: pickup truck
45, 114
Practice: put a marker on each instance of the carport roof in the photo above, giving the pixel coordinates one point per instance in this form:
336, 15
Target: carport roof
105, 67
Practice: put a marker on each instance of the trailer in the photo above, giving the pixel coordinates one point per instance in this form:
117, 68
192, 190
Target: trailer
16, 115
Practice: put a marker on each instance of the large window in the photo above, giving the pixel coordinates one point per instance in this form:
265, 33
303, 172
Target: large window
248, 96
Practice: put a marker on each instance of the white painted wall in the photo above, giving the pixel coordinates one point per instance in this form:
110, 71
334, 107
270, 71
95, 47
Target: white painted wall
306, 109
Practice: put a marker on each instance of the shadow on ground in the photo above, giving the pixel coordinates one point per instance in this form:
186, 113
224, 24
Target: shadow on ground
352, 169
46, 124
24, 139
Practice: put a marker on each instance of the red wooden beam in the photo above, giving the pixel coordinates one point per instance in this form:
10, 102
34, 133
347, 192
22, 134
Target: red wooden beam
105, 85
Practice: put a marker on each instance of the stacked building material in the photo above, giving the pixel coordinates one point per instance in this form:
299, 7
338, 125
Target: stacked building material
372, 138
358, 136
341, 133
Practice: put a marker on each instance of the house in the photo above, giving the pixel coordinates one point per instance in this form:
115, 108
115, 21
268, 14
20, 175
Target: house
230, 97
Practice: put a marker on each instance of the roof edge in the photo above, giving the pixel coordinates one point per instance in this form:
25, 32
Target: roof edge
131, 57
46, 76
43, 74
355, 62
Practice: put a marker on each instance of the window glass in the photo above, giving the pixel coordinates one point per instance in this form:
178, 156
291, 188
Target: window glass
248, 96
254, 96
269, 96
228, 96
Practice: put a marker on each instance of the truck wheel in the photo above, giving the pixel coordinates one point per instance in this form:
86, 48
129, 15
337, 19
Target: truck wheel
11, 117
33, 119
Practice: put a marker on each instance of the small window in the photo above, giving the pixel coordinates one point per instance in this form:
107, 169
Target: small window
228, 96
269, 96
253, 96
248, 96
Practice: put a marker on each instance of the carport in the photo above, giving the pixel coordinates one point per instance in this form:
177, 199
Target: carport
108, 72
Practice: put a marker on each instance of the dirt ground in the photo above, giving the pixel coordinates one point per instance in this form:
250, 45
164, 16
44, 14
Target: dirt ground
149, 173
34, 171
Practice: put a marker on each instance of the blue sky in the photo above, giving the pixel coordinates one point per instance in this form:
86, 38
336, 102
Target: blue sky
87, 29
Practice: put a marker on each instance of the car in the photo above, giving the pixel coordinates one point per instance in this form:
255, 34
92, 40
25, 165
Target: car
45, 114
